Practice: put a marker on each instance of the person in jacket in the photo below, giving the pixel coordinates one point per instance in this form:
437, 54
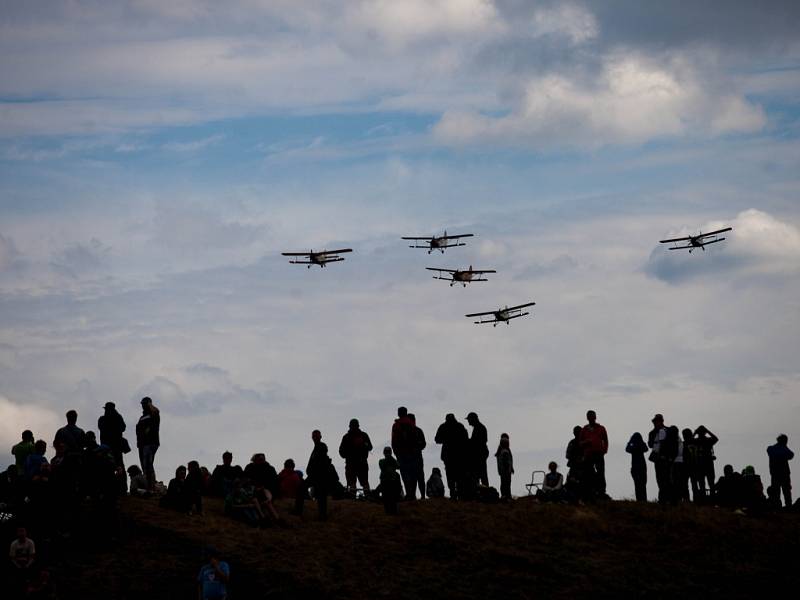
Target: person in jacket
22, 451
454, 440
390, 481
354, 449
259, 472
553, 485
111, 426
704, 442
223, 476
780, 475
178, 496
637, 448
659, 456
319, 472
419, 463
593, 441
574, 454
505, 466
403, 446
435, 486
478, 451
148, 441
290, 480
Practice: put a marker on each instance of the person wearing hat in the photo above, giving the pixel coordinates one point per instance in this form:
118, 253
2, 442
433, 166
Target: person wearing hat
660, 457
111, 426
355, 449
479, 450
147, 440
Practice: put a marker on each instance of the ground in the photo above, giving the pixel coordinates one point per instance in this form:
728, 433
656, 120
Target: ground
443, 549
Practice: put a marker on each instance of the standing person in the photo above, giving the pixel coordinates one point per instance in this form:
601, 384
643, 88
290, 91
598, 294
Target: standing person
319, 473
659, 457
390, 482
147, 440
212, 581
454, 439
290, 480
72, 436
505, 466
593, 440
403, 443
111, 426
637, 449
355, 449
681, 464
704, 442
779, 457
419, 461
22, 450
479, 451
574, 454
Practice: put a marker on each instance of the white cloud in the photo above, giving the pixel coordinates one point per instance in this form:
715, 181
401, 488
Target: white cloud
568, 19
759, 245
14, 418
194, 145
632, 99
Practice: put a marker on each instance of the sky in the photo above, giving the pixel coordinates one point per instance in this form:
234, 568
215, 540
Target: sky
156, 158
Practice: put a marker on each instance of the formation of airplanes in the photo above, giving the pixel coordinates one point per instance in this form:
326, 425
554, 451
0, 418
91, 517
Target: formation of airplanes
465, 276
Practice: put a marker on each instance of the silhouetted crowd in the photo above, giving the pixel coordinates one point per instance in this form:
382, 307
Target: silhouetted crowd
44, 495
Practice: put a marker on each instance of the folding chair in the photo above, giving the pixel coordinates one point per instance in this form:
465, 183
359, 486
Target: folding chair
535, 482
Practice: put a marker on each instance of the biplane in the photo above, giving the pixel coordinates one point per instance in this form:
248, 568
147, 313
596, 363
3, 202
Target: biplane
502, 315
317, 258
464, 277
438, 242
697, 241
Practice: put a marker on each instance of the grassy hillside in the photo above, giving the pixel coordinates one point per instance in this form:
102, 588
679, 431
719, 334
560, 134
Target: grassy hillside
448, 550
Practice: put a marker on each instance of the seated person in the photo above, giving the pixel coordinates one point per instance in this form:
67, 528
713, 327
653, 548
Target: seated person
729, 489
242, 506
178, 496
553, 485
390, 487
259, 471
752, 488
138, 486
194, 486
290, 480
435, 486
224, 475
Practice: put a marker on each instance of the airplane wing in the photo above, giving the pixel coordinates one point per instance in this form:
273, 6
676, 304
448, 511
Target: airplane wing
442, 270
520, 306
416, 238
296, 253
334, 251
702, 235
683, 239
453, 237
483, 271
483, 314
326, 259
704, 243
680, 247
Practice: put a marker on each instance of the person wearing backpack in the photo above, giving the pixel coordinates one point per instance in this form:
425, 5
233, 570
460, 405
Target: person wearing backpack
355, 449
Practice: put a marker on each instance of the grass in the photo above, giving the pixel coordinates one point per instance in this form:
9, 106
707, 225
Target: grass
447, 549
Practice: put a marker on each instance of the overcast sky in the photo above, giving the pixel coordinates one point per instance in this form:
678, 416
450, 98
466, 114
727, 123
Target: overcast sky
156, 158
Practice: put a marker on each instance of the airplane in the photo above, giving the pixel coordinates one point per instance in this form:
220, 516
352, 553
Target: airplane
317, 258
697, 241
438, 243
502, 315
456, 276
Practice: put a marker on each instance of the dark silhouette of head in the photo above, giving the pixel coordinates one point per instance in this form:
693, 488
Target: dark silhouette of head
436, 471
402, 412
472, 418
40, 447
72, 417
316, 436
193, 466
354, 424
227, 458
110, 407
637, 437
450, 418
591, 416
553, 466
288, 464
576, 431
727, 470
658, 420
27, 436
687, 434
147, 404
413, 418
134, 470
180, 472
783, 439
387, 451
